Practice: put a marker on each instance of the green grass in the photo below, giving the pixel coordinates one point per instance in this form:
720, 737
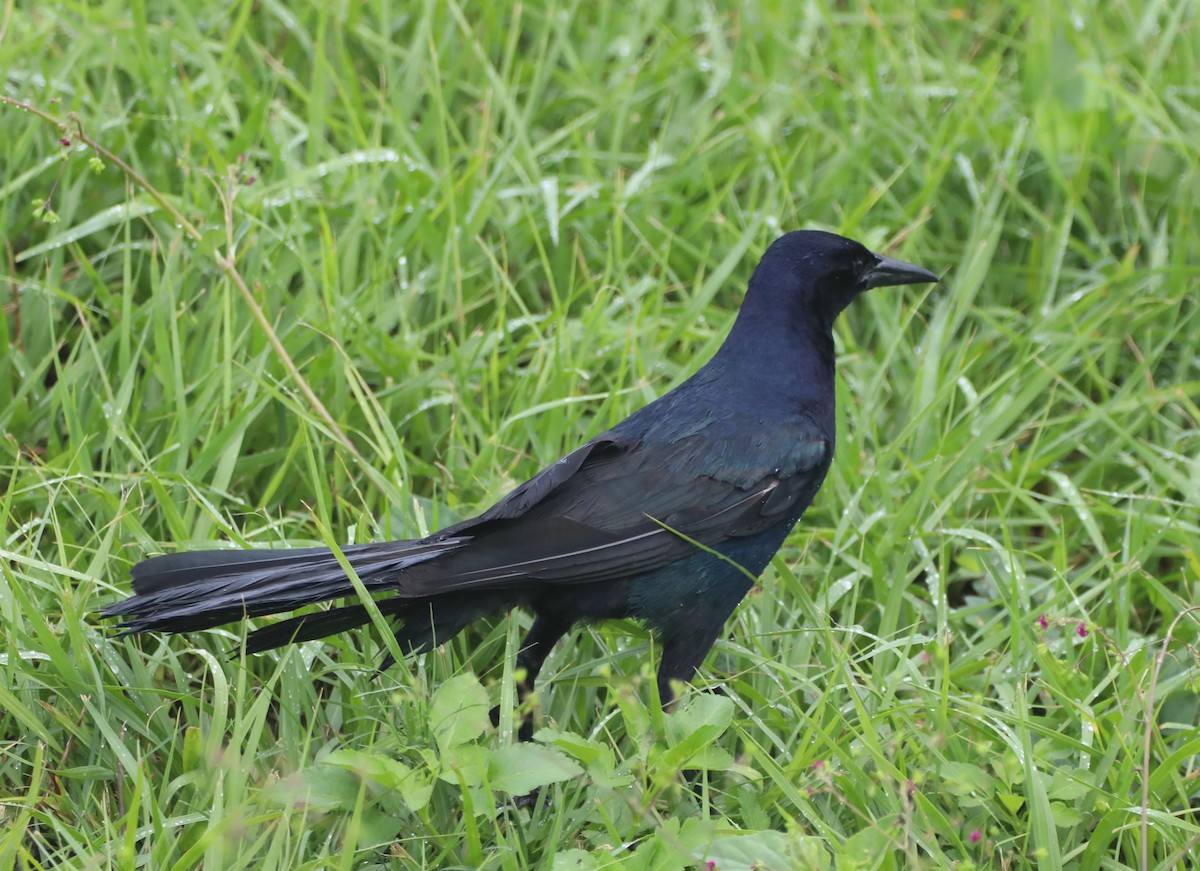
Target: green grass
370, 265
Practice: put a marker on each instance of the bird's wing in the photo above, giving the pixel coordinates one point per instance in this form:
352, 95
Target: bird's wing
614, 509
520, 500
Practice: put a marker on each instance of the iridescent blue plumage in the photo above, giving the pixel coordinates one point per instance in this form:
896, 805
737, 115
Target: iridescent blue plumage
625, 526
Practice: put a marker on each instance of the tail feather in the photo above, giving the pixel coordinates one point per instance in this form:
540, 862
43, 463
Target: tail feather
189, 591
175, 569
419, 623
415, 626
308, 627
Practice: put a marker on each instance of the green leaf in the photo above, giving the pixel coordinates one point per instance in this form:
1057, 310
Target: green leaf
521, 768
376, 828
701, 720
868, 849
577, 860
1011, 801
414, 787
711, 758
102, 220
1068, 785
759, 851
704, 714
320, 787
191, 748
599, 761
967, 781
458, 712
810, 853
465, 764
587, 750
1064, 815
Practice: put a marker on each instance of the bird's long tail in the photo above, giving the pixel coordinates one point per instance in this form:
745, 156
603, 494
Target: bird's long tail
188, 591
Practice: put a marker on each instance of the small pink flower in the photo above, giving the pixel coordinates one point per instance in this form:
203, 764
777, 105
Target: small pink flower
710, 865
976, 836
1081, 630
818, 765
1043, 622
910, 787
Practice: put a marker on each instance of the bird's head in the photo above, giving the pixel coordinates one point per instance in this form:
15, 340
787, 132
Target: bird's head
810, 272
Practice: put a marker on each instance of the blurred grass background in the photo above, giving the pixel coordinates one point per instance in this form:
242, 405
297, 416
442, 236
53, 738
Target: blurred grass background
370, 265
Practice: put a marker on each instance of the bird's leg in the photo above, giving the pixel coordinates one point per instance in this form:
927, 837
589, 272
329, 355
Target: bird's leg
542, 637
683, 653
684, 649
680, 659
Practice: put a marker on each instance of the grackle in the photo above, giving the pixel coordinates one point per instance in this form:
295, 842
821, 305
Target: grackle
664, 518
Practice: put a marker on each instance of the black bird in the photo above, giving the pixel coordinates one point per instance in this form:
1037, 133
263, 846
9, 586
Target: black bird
666, 517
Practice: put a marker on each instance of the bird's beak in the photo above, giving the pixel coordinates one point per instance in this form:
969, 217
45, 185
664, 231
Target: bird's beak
889, 272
